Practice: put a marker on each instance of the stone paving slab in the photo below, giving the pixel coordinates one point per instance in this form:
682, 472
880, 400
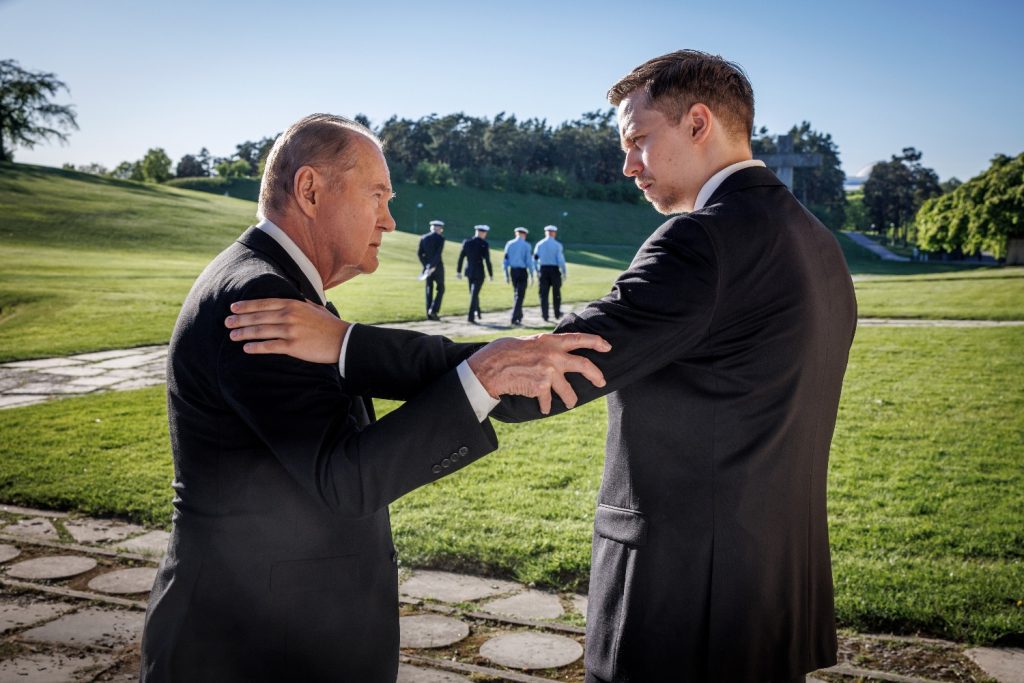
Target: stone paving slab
125, 581
414, 674
86, 384
73, 371
153, 544
51, 567
90, 628
42, 363
430, 630
50, 388
1004, 665
580, 602
527, 650
449, 587
8, 552
33, 528
31, 512
14, 615
530, 604
88, 530
52, 667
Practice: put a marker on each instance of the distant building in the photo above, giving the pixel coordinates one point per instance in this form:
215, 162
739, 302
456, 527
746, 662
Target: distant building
856, 182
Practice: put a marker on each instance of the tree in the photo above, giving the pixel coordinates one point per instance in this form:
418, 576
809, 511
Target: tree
896, 189
127, 170
27, 116
155, 166
820, 188
254, 154
984, 213
190, 167
239, 168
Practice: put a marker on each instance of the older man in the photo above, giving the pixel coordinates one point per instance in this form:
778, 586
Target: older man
731, 331
281, 564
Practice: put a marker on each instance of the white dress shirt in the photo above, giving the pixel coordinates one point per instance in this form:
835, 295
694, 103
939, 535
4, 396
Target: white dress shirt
714, 181
478, 397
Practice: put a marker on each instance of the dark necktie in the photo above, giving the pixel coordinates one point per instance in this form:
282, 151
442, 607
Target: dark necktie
330, 307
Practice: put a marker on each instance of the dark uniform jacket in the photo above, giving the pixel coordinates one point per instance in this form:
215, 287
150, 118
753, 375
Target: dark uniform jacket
477, 253
431, 246
281, 564
730, 333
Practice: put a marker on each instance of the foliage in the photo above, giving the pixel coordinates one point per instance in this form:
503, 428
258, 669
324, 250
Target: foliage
155, 166
127, 170
240, 188
856, 214
191, 167
820, 189
981, 214
239, 168
27, 114
896, 189
577, 159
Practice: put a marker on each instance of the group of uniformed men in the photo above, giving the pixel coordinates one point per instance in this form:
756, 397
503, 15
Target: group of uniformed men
521, 261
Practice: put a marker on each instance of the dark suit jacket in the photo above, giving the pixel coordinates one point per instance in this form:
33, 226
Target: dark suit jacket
476, 253
431, 246
281, 564
730, 333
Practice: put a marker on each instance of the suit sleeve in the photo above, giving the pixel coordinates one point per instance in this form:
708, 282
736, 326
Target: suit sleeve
487, 260
397, 364
462, 257
301, 411
658, 309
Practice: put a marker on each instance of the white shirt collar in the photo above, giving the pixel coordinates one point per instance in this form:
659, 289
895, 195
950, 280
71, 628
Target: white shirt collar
300, 258
714, 181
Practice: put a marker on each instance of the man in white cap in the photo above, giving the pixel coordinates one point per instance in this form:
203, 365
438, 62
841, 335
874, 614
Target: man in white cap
550, 258
518, 269
431, 246
477, 253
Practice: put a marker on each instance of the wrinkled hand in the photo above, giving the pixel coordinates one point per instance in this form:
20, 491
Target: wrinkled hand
536, 366
300, 329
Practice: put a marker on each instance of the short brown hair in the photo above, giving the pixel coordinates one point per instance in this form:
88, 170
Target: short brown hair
677, 81
319, 140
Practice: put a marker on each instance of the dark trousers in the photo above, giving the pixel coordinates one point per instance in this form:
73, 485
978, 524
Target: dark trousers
519, 278
435, 279
550, 279
475, 283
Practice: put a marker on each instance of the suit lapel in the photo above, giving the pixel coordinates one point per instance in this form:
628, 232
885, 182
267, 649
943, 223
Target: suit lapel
259, 241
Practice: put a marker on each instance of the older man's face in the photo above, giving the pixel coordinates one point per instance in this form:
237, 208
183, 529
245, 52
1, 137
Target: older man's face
354, 218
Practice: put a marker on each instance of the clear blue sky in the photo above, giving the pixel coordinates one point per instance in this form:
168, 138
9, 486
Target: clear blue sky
878, 75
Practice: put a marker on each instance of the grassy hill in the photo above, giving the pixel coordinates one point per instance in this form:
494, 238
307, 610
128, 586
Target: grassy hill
89, 263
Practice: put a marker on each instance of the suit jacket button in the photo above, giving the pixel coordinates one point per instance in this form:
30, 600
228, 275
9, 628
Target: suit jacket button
436, 469
446, 463
463, 451
453, 457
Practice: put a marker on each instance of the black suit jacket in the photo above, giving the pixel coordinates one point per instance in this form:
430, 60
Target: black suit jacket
431, 246
730, 333
476, 252
281, 564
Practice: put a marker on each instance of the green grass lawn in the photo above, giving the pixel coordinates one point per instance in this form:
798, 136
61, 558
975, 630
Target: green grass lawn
90, 263
927, 514
107, 263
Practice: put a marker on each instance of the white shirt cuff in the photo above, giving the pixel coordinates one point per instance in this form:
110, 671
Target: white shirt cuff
344, 350
479, 399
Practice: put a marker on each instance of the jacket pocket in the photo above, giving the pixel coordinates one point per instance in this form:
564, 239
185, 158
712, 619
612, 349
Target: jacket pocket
618, 536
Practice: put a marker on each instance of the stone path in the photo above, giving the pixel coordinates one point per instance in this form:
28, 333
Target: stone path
73, 592
27, 382
874, 247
